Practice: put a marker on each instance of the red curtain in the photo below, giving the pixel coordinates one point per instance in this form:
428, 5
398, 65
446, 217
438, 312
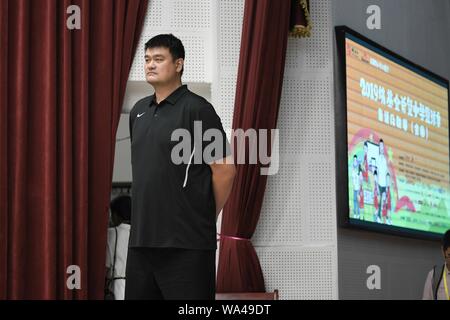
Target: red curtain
260, 77
61, 94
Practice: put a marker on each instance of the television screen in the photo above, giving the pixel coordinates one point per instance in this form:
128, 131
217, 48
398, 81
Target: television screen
397, 140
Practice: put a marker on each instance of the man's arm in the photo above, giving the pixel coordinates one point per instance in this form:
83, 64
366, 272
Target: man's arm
223, 174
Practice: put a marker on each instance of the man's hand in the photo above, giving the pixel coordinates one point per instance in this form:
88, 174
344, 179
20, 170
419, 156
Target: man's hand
223, 173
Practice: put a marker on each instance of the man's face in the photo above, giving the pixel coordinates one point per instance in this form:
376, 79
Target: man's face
160, 68
381, 148
447, 257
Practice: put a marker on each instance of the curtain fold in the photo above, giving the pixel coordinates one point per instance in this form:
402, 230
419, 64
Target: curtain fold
258, 92
3, 145
61, 94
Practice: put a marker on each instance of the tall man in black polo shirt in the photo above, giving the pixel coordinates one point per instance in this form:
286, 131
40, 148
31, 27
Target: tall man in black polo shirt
174, 203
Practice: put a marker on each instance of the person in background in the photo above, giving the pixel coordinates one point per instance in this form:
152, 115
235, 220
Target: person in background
437, 285
375, 197
356, 181
388, 199
384, 207
117, 245
361, 194
382, 169
366, 163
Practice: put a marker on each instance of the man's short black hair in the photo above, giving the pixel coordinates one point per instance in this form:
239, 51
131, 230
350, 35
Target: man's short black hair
170, 42
381, 141
446, 240
121, 206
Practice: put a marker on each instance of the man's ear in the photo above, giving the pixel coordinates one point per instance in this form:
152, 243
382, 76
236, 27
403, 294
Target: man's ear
179, 64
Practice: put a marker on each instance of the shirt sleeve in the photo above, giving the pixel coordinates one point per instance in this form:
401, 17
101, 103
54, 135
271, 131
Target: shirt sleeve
215, 144
428, 290
110, 247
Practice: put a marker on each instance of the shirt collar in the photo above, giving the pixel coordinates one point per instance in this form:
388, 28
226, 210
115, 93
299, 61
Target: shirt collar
173, 97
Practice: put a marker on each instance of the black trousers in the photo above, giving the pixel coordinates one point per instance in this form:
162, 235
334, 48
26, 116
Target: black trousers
170, 274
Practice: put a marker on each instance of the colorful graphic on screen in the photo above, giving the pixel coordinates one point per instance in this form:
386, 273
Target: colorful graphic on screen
398, 141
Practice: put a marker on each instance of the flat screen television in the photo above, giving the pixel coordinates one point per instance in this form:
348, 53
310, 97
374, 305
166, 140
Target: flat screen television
392, 141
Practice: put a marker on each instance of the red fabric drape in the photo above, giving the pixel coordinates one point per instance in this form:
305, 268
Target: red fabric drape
260, 77
61, 94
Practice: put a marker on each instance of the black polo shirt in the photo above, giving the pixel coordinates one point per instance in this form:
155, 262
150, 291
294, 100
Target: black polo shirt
173, 203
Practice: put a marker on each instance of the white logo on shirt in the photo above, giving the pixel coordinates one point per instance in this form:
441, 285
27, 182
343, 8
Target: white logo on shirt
140, 114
